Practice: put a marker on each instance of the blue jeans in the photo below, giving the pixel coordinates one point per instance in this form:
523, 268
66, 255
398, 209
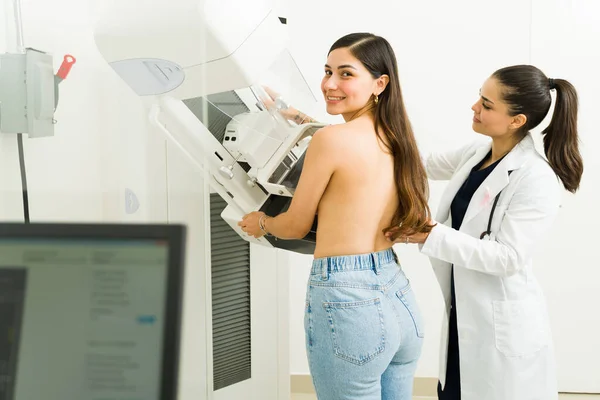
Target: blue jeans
363, 328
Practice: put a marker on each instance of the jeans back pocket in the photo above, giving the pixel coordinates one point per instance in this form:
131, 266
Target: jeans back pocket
357, 329
407, 297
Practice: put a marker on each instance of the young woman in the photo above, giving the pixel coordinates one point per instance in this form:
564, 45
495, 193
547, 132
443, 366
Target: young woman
363, 327
500, 201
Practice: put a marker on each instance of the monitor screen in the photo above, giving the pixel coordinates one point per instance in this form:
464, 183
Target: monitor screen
87, 318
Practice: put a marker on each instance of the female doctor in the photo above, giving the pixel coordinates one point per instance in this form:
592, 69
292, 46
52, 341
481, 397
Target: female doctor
501, 199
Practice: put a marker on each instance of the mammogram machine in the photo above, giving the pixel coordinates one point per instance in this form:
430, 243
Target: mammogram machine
209, 70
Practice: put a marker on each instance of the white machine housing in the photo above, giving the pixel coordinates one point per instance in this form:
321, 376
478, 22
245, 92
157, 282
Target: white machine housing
192, 49
28, 93
202, 67
189, 47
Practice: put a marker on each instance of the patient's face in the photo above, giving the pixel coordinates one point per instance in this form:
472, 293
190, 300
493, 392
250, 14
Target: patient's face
347, 85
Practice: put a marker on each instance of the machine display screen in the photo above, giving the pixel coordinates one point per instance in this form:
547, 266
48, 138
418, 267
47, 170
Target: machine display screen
81, 319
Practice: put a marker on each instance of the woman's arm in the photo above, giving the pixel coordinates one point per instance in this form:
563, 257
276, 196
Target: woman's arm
441, 166
298, 116
295, 223
288, 112
527, 219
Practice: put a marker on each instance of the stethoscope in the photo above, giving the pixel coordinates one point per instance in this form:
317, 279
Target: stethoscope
489, 227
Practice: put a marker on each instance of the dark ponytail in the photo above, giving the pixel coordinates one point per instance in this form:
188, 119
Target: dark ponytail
526, 90
561, 143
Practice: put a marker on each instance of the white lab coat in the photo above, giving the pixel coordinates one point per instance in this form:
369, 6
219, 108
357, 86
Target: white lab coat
505, 344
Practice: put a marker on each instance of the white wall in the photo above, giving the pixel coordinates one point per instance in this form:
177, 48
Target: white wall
51, 174
445, 51
102, 148
71, 175
565, 39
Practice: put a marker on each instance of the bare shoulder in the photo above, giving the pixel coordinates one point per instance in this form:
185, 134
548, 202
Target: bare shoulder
328, 138
332, 131
346, 138
324, 149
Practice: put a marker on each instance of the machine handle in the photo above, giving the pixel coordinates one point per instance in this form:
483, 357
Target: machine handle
66, 66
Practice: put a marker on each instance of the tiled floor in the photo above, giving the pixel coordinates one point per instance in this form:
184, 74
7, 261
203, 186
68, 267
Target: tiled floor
562, 397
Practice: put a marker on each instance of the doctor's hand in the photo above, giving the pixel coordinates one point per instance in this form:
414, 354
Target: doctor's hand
417, 238
411, 239
249, 224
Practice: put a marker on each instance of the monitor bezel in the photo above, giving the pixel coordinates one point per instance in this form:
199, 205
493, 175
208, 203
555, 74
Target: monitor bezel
173, 234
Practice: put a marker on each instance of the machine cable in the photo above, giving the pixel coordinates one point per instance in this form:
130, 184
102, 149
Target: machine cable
23, 178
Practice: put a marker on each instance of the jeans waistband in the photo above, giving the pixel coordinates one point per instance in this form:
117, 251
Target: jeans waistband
369, 261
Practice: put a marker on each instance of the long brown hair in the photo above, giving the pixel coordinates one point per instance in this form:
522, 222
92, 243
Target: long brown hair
375, 53
526, 90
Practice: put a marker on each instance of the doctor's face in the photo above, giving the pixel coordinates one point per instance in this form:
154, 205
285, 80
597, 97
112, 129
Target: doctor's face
491, 116
347, 85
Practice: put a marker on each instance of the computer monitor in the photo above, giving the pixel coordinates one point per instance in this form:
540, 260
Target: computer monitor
90, 312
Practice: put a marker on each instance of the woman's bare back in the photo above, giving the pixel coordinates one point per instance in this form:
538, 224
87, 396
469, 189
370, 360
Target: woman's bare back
361, 197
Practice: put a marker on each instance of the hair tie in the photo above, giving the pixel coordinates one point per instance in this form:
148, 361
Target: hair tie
551, 83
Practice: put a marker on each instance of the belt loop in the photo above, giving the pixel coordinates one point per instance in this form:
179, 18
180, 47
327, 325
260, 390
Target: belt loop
375, 261
325, 269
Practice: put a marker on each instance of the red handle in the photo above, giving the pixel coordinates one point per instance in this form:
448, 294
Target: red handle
65, 67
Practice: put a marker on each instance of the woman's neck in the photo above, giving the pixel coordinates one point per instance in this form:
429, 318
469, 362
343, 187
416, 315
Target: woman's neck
503, 145
367, 110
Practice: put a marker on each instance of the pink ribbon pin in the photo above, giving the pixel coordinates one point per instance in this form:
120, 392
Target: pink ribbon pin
486, 197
